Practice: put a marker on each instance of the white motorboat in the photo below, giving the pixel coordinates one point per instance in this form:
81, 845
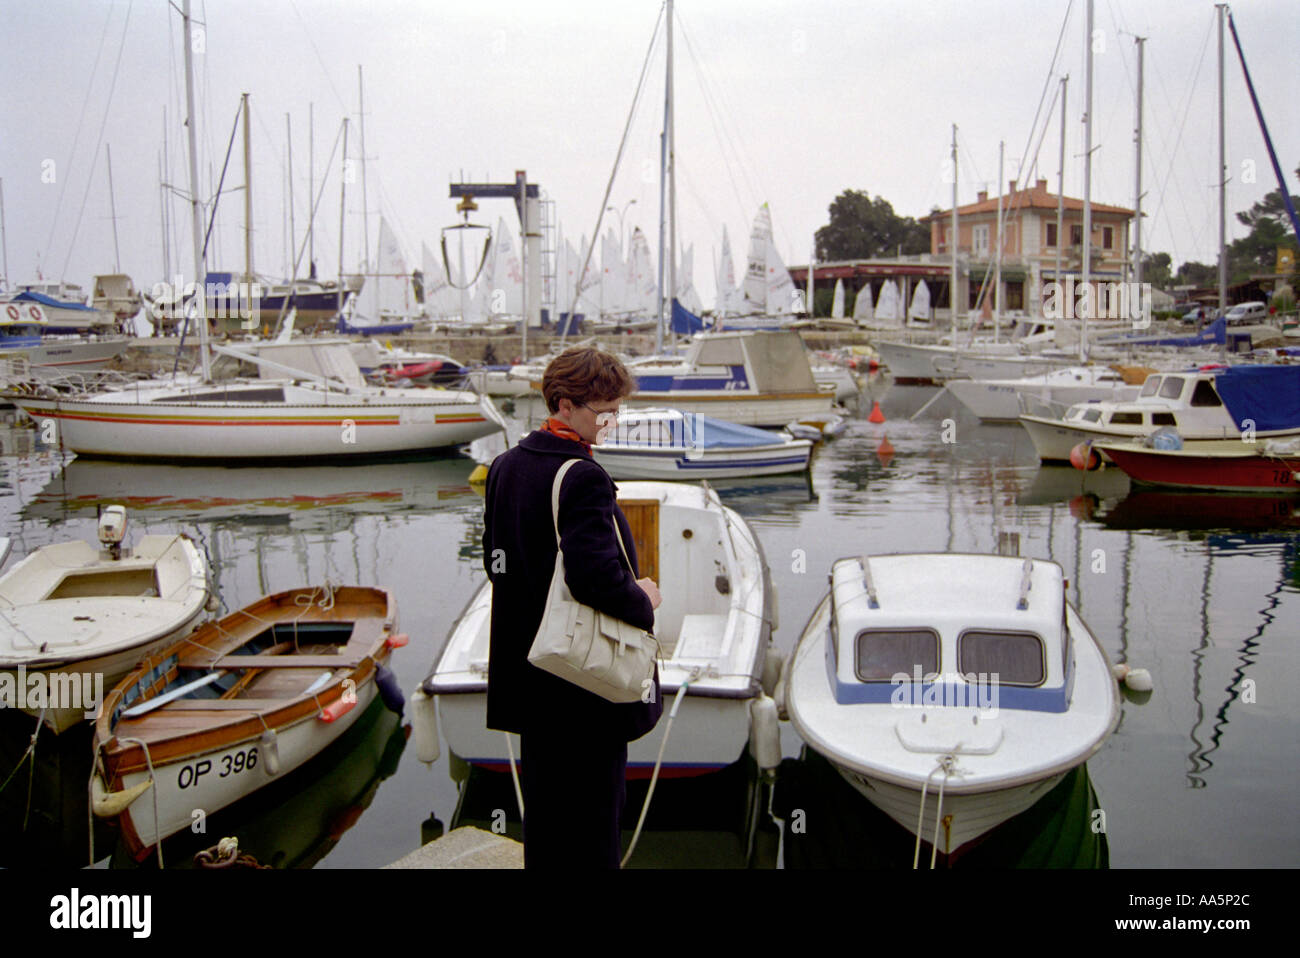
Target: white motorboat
1210, 408
952, 691
998, 400
759, 378
714, 629
669, 444
74, 618
320, 408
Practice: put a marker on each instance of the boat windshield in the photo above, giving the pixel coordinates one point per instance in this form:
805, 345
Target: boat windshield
1009, 658
1151, 385
882, 654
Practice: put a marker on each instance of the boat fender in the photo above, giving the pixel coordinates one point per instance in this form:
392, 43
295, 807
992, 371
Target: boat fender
337, 709
112, 804
270, 746
764, 732
424, 726
1139, 680
397, 641
389, 690
772, 663
1082, 457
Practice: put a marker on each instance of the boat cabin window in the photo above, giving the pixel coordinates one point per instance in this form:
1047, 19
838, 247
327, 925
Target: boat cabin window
1163, 419
1091, 415
1126, 419
1205, 394
883, 653
1172, 387
261, 394
1017, 658
1151, 385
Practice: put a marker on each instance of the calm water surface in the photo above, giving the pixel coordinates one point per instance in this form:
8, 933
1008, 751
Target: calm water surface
1202, 590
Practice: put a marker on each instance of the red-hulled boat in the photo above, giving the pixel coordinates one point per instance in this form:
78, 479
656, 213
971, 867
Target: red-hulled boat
1271, 468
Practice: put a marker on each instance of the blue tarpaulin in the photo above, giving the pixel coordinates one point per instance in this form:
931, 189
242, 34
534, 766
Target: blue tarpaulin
1212, 334
707, 433
29, 296
685, 323
1269, 396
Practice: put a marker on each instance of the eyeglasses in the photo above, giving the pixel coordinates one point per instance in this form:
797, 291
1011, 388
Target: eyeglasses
612, 413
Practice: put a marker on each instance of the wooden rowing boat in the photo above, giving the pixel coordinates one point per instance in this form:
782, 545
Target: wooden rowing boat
238, 703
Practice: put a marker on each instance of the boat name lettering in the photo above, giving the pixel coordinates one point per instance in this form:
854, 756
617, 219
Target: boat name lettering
231, 764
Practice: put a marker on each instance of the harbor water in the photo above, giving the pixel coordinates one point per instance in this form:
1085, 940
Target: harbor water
1202, 590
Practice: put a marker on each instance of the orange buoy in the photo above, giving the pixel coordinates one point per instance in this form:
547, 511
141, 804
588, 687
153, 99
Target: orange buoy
885, 451
1082, 457
876, 415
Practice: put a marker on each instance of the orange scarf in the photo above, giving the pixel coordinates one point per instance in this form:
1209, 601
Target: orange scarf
564, 431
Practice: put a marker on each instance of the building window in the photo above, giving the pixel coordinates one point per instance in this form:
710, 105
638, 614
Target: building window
1108, 237
1015, 295
1051, 234
980, 239
1076, 235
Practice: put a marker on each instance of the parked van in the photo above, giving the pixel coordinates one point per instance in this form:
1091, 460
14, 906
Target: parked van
1247, 314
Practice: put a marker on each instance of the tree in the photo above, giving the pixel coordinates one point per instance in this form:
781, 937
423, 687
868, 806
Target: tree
1270, 227
1157, 269
1197, 274
863, 228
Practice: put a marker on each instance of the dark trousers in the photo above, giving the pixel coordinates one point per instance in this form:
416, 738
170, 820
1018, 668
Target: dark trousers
573, 801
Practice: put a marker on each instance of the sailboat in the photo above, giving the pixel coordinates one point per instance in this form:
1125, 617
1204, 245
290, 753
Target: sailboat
767, 298
310, 405
386, 303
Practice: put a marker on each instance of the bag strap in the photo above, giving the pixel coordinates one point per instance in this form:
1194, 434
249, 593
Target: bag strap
555, 513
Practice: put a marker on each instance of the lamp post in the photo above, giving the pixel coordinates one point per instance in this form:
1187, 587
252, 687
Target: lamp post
620, 213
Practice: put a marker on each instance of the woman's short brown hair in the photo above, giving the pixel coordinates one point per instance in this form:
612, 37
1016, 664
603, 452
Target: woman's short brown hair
582, 374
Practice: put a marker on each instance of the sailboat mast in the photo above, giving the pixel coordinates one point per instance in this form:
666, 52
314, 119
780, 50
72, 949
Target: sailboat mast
812, 264
4, 235
196, 214
1060, 199
997, 269
663, 175
952, 282
343, 208
311, 187
1087, 188
248, 198
112, 208
672, 175
365, 207
1223, 193
1137, 187
293, 232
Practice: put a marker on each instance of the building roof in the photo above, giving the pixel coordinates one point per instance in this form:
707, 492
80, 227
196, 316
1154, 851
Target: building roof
1036, 197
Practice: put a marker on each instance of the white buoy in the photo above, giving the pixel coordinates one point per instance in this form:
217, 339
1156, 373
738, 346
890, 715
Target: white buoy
1139, 680
1120, 671
764, 733
424, 727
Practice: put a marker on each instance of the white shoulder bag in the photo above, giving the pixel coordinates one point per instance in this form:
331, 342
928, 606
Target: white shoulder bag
589, 648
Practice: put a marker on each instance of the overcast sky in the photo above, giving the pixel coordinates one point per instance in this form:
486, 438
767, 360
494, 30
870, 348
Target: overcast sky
788, 103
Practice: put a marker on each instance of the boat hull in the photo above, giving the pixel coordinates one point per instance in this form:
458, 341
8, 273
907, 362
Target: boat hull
1243, 472
310, 427
695, 464
756, 410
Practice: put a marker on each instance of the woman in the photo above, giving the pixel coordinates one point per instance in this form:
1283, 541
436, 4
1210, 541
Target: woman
573, 743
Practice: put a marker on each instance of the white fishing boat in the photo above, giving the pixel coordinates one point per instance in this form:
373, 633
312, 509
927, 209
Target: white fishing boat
75, 618
32, 354
755, 378
670, 444
316, 407
241, 702
999, 400
1209, 408
714, 629
952, 691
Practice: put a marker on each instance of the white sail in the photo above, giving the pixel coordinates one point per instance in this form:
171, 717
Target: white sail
754, 299
728, 295
890, 307
862, 309
589, 291
837, 303
686, 294
441, 299
613, 275
780, 287
920, 309
505, 291
386, 294
644, 294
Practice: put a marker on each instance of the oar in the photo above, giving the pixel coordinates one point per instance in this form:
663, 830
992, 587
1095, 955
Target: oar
144, 707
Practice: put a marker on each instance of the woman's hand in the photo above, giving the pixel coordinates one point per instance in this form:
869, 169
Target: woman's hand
650, 589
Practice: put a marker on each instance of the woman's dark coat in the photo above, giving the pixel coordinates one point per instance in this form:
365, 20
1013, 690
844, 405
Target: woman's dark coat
519, 556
